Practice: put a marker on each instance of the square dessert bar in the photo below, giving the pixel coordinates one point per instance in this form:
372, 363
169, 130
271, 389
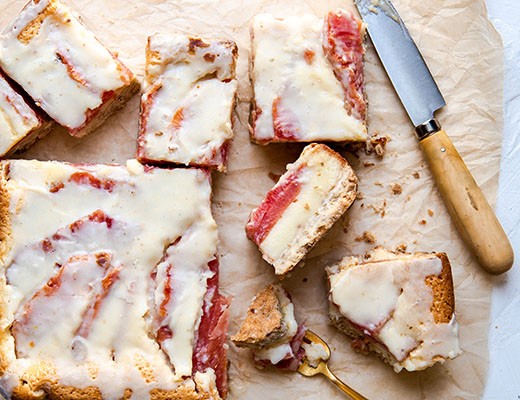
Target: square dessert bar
399, 305
63, 67
21, 123
188, 100
307, 76
109, 283
314, 192
271, 331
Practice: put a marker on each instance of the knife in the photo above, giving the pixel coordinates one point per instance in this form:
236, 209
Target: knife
415, 86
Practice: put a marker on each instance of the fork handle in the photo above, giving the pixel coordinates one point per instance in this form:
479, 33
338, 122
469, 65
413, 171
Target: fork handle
341, 385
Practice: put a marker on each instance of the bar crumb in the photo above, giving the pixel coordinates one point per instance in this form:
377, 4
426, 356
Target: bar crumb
376, 143
401, 248
367, 237
396, 188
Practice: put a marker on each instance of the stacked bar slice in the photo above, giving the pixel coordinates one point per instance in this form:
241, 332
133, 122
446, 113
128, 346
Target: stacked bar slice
314, 192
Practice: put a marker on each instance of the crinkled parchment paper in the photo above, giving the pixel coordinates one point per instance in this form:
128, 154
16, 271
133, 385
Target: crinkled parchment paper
463, 52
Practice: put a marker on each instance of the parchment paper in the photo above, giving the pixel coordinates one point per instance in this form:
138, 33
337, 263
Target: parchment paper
463, 52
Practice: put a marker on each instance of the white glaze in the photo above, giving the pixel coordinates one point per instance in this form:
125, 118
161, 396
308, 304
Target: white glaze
317, 178
149, 210
309, 90
180, 81
17, 119
314, 353
388, 297
35, 66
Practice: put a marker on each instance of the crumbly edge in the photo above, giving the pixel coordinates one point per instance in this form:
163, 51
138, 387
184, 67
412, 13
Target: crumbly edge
442, 309
45, 123
263, 325
114, 104
340, 198
151, 58
41, 385
121, 95
30, 138
40, 380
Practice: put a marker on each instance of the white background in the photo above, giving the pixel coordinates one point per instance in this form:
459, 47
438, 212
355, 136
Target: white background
504, 341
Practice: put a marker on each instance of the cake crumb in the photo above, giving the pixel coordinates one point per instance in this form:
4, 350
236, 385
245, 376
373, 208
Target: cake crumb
401, 248
416, 175
367, 237
368, 164
380, 184
422, 222
430, 212
396, 188
379, 209
360, 196
376, 144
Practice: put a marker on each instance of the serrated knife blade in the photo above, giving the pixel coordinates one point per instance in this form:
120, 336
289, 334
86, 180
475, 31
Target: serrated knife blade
415, 86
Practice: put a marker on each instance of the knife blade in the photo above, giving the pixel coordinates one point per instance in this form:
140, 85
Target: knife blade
414, 84
402, 60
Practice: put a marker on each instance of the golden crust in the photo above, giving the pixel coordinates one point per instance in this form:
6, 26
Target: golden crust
40, 380
442, 308
5, 230
181, 393
263, 324
5, 233
443, 305
28, 140
33, 28
117, 101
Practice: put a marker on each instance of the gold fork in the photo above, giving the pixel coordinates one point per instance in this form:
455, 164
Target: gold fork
308, 369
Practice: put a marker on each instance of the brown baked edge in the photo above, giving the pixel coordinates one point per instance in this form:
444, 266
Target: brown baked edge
442, 309
40, 381
30, 138
346, 192
143, 113
118, 100
263, 324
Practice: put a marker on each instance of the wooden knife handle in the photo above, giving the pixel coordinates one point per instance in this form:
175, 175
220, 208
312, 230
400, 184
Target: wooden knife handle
469, 209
